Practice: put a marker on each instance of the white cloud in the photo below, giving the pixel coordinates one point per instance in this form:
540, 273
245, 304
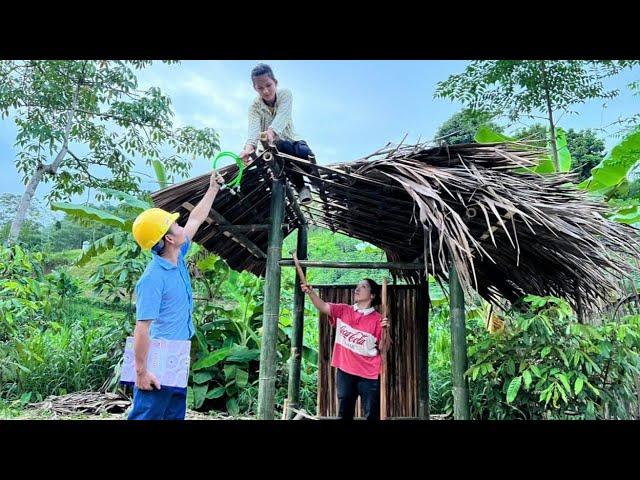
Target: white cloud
215, 93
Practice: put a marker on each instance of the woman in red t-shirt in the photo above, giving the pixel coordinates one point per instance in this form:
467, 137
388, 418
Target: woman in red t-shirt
356, 353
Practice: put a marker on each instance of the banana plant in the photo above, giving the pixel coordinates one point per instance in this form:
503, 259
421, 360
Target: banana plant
133, 206
487, 135
612, 172
123, 223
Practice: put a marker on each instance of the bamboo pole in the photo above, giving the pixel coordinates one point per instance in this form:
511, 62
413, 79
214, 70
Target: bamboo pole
384, 338
458, 347
379, 265
266, 389
297, 328
422, 327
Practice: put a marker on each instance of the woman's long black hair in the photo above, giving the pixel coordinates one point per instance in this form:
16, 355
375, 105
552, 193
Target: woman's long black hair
375, 290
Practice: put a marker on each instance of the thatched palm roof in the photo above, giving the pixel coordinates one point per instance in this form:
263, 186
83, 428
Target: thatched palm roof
510, 233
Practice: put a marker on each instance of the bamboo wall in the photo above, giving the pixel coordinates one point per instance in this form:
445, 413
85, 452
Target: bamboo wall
408, 304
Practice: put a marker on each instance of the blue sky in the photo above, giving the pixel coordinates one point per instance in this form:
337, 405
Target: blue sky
344, 109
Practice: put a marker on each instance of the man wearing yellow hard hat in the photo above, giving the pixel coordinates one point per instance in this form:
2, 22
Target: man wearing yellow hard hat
164, 301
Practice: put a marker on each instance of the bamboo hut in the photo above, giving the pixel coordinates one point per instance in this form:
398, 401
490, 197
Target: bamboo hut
474, 215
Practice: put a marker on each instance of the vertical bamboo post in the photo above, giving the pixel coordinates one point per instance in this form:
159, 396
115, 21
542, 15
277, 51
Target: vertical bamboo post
458, 347
298, 327
423, 352
267, 380
383, 374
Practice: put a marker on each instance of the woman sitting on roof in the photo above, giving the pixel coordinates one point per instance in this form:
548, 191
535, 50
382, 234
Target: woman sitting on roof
270, 113
356, 353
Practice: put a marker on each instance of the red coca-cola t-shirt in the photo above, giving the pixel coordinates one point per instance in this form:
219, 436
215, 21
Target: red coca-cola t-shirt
357, 337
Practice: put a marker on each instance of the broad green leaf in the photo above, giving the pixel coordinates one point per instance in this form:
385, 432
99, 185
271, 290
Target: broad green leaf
614, 168
207, 264
216, 393
242, 378
564, 156
545, 165
202, 377
25, 398
211, 359
578, 385
593, 389
543, 394
101, 245
199, 393
629, 217
230, 372
91, 213
527, 378
549, 393
161, 174
243, 354
23, 368
565, 381
130, 200
310, 355
545, 351
562, 391
514, 388
486, 135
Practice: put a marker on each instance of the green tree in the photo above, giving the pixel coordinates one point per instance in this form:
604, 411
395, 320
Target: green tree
587, 150
31, 236
462, 126
629, 124
38, 211
523, 87
76, 119
537, 134
71, 232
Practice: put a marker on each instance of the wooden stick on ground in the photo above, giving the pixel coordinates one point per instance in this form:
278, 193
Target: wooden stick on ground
300, 414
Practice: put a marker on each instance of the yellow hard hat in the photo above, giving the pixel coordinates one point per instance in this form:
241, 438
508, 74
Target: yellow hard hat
151, 225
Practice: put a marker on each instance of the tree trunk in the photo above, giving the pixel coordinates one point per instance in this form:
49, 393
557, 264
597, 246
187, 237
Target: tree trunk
27, 196
552, 127
23, 207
